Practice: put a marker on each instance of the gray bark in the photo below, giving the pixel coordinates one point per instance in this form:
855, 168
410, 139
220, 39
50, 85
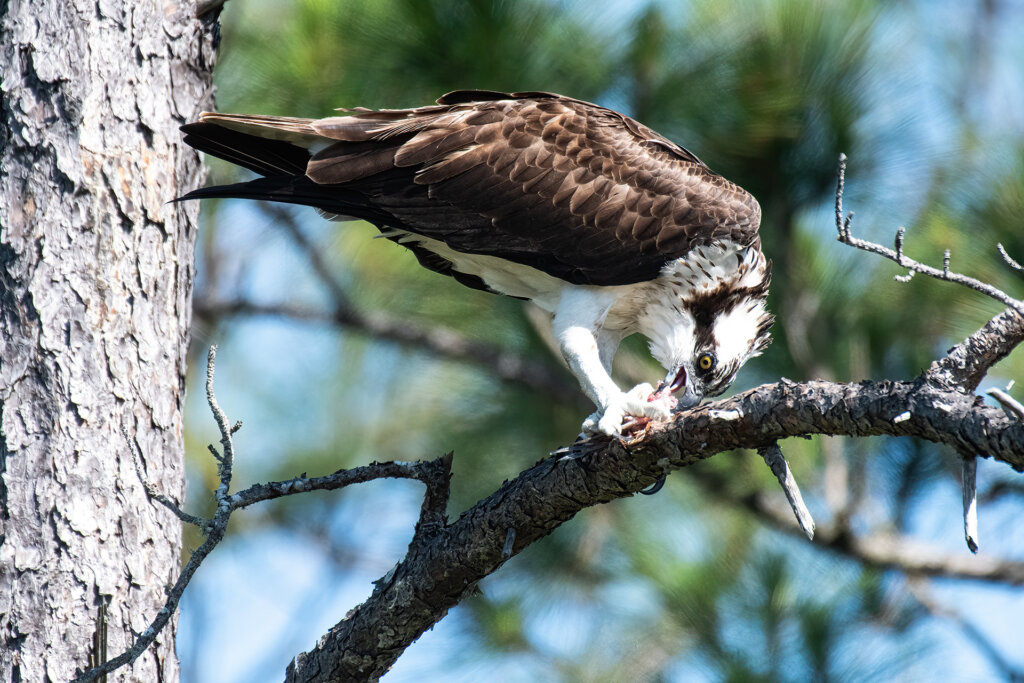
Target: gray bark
95, 295
446, 561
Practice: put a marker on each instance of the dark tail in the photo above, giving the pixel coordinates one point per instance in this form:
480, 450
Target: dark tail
260, 155
283, 166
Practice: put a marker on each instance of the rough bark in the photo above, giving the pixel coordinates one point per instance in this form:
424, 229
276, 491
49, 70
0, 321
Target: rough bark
95, 294
442, 567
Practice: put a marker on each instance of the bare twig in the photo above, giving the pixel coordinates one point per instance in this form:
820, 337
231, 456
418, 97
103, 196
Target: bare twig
151, 491
900, 232
1009, 403
969, 482
845, 235
1009, 259
780, 468
226, 458
434, 474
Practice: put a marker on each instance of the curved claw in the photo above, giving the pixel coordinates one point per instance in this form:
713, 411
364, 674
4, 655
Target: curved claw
655, 487
639, 402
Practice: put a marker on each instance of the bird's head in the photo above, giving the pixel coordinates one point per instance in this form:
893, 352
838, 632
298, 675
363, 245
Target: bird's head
704, 334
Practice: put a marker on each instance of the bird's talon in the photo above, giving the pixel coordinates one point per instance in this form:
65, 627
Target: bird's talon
634, 425
655, 487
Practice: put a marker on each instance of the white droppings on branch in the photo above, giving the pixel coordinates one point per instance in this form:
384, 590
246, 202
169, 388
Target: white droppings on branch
725, 415
510, 539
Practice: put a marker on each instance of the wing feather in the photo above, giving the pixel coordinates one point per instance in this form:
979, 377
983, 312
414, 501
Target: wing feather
579, 191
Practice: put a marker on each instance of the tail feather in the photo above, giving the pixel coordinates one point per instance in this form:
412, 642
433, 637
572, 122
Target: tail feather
287, 128
259, 154
299, 190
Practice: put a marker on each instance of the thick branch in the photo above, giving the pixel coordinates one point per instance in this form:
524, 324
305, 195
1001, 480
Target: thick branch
433, 578
966, 363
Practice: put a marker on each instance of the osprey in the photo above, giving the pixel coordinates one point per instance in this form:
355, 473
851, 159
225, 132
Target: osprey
607, 225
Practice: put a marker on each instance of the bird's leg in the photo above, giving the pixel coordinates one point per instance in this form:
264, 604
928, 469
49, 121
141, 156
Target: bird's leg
588, 351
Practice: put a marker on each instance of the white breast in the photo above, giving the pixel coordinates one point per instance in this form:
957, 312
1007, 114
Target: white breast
514, 279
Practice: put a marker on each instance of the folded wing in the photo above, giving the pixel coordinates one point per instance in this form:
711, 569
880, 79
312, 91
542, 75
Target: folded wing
575, 190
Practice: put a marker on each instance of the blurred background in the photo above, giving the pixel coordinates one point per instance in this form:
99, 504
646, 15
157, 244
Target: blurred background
330, 350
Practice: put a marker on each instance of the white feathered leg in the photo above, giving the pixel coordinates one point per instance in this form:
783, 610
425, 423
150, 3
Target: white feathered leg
589, 350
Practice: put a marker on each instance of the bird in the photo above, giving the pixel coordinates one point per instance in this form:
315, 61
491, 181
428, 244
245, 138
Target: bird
608, 226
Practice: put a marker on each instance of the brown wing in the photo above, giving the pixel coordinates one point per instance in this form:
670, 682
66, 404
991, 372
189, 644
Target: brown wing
578, 191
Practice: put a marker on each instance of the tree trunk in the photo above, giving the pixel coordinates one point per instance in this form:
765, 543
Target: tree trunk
95, 298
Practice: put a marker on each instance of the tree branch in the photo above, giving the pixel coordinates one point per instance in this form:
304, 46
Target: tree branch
544, 378
435, 578
780, 468
965, 364
845, 235
435, 475
876, 549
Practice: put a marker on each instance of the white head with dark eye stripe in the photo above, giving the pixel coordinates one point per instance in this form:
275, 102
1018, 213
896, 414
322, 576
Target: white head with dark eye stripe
717, 323
738, 333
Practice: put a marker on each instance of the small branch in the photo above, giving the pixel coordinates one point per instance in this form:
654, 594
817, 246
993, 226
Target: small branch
258, 493
1009, 260
900, 232
434, 474
1009, 403
225, 459
969, 482
842, 224
966, 363
845, 236
776, 461
151, 491
544, 378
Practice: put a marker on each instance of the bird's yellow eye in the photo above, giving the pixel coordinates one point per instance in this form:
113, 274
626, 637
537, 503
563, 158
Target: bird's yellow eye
706, 361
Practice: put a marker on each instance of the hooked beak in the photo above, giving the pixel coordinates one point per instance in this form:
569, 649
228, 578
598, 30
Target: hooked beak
677, 380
